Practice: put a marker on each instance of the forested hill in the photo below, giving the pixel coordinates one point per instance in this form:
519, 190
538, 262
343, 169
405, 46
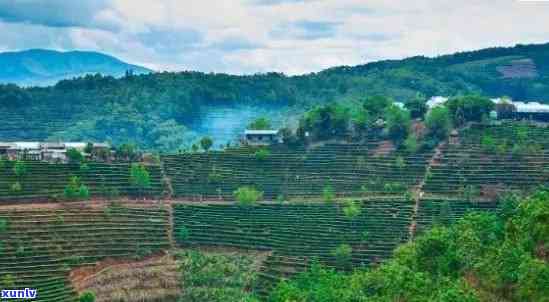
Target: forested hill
163, 111
42, 67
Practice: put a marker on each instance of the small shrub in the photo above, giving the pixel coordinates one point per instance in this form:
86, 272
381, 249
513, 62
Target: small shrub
75, 260
328, 194
409, 196
470, 192
280, 198
206, 143
142, 251
112, 193
247, 196
342, 254
215, 177
59, 220
8, 281
87, 296
517, 151
20, 251
262, 154
107, 211
352, 210
72, 190
410, 144
74, 156
445, 213
84, 167
3, 225
83, 192
183, 234
395, 187
364, 190
19, 168
140, 178
365, 236
89, 148
16, 188
488, 144
400, 163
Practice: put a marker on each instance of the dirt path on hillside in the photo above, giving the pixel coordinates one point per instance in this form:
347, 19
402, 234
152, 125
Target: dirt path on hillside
418, 190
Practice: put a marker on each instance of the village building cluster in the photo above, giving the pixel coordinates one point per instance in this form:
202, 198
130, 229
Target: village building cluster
534, 111
50, 151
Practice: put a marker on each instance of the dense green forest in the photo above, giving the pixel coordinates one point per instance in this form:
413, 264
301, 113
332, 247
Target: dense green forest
482, 257
156, 111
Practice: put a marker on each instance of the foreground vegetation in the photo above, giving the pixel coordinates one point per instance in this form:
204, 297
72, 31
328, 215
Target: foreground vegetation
483, 257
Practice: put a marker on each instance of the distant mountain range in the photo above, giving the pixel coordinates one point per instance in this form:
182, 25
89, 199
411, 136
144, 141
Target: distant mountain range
40, 67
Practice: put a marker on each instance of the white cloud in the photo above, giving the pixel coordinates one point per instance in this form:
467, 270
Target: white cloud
250, 36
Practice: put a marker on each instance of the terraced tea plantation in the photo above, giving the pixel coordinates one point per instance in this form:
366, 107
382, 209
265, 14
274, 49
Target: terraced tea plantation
297, 234
445, 212
42, 180
40, 247
394, 196
490, 160
350, 169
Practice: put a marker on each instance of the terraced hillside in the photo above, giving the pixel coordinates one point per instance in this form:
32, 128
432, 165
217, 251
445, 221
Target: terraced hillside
351, 169
445, 212
40, 246
36, 129
491, 159
297, 234
44, 180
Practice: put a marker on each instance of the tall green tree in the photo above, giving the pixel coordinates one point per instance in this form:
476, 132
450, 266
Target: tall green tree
261, 123
376, 105
438, 123
325, 122
206, 143
20, 168
469, 108
398, 123
74, 156
417, 106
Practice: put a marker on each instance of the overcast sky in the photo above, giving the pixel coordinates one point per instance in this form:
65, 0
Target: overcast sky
248, 36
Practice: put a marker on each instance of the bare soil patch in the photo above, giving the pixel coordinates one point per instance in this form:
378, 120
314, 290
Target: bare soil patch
524, 68
155, 278
383, 149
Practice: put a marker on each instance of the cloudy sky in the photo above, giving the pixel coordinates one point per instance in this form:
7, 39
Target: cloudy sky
248, 36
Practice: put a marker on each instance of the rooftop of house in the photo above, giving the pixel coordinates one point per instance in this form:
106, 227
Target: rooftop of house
260, 132
527, 107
